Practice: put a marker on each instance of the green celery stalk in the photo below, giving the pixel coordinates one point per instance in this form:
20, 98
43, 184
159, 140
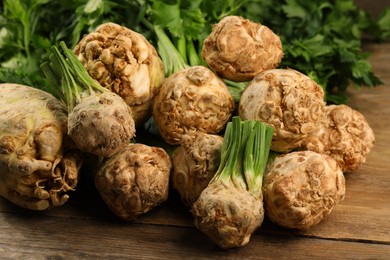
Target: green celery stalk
231, 207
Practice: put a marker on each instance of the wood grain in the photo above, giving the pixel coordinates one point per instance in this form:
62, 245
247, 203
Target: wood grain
84, 228
47, 237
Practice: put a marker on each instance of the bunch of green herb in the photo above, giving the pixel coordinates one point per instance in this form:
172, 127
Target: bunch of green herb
321, 38
28, 29
20, 41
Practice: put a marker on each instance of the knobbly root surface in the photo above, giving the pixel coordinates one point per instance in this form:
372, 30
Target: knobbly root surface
40, 188
101, 124
37, 167
194, 164
346, 136
135, 180
227, 215
289, 101
301, 188
192, 100
124, 62
239, 49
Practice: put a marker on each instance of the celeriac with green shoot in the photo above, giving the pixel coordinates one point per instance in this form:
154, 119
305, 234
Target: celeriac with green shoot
99, 121
230, 209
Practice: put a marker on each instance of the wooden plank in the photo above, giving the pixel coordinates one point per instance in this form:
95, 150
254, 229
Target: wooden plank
43, 237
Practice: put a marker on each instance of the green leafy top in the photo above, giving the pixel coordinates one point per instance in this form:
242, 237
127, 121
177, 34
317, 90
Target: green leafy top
67, 76
244, 154
182, 18
321, 38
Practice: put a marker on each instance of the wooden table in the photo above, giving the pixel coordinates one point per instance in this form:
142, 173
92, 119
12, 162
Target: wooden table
84, 228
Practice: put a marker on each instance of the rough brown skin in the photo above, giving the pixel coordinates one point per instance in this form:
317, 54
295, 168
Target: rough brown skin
228, 215
301, 188
194, 164
124, 62
287, 100
346, 136
101, 124
135, 180
38, 166
192, 100
238, 49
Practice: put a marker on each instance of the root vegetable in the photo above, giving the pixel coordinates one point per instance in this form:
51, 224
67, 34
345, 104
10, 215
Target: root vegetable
194, 164
38, 168
230, 209
238, 49
123, 61
99, 121
134, 180
287, 100
192, 100
346, 136
301, 188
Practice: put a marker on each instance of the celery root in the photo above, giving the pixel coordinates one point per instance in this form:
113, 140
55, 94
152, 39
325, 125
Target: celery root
346, 136
192, 100
230, 208
238, 49
195, 162
289, 101
301, 188
99, 121
135, 180
124, 62
38, 163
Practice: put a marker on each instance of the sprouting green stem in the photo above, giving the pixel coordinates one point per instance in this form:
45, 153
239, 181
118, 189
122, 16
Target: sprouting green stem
230, 168
238, 175
236, 89
256, 155
143, 8
225, 151
233, 169
268, 141
71, 77
244, 154
172, 59
223, 171
181, 47
193, 56
69, 87
147, 23
53, 80
80, 72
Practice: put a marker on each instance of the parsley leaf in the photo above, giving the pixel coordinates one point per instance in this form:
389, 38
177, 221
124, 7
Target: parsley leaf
321, 38
181, 18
